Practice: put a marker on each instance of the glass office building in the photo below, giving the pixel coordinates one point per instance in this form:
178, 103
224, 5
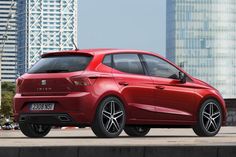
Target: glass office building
201, 38
8, 39
44, 26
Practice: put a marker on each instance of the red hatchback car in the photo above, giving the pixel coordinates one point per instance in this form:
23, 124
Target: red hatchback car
110, 90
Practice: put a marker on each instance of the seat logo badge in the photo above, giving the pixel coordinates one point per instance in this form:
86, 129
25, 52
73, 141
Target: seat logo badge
43, 82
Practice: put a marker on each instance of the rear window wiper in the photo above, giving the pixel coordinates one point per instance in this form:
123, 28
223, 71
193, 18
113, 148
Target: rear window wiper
56, 70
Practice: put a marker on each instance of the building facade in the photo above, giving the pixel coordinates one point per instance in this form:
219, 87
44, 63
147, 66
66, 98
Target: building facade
201, 38
8, 40
44, 26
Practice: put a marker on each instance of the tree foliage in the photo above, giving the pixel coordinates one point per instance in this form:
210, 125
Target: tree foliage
8, 87
7, 100
8, 92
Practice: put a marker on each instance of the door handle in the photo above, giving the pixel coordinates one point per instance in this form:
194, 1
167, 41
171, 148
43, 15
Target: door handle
123, 83
160, 87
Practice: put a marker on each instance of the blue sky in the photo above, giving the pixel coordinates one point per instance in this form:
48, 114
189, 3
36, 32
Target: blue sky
132, 24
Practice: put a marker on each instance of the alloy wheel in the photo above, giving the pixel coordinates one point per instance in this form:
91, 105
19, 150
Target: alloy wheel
112, 117
34, 130
211, 117
140, 129
39, 128
136, 131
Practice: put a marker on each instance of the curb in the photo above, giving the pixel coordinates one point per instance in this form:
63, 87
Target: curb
120, 151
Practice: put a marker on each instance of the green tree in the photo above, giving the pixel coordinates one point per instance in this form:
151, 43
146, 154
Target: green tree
8, 87
8, 92
7, 100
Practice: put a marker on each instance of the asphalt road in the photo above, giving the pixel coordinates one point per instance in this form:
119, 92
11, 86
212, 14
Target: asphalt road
85, 137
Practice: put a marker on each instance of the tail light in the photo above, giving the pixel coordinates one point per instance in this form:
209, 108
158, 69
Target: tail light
82, 81
18, 84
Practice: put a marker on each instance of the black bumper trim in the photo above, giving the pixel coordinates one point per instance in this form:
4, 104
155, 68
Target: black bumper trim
56, 119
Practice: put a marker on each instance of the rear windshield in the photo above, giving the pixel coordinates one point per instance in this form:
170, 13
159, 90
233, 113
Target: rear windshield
60, 64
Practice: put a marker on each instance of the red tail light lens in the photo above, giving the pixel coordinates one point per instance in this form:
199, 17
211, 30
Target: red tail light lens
18, 84
82, 81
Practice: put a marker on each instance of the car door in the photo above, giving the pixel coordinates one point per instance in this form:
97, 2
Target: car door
135, 86
174, 99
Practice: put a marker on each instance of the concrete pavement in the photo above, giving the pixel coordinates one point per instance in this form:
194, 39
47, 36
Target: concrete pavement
85, 137
83, 143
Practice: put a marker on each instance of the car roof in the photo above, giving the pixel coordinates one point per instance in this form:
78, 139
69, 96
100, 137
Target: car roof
96, 51
104, 51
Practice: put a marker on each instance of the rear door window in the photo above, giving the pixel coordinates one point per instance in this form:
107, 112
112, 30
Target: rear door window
129, 63
107, 60
61, 64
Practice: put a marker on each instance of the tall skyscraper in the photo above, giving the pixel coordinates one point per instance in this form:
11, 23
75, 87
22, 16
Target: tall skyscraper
8, 40
201, 38
44, 26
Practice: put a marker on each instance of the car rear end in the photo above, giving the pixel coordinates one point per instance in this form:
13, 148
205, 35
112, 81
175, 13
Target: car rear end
55, 91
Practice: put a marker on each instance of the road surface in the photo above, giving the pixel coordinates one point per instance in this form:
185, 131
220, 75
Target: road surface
85, 137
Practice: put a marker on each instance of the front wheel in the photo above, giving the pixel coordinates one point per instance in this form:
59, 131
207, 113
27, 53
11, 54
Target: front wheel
34, 130
209, 119
136, 131
110, 118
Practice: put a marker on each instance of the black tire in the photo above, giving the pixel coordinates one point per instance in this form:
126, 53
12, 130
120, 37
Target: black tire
136, 131
209, 119
103, 126
34, 130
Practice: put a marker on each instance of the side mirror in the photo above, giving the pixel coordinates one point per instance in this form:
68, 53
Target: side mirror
182, 77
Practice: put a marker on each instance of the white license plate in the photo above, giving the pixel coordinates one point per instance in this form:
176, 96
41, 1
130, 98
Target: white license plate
42, 106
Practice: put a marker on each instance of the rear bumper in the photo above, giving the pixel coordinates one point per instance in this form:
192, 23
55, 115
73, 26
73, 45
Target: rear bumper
57, 119
78, 107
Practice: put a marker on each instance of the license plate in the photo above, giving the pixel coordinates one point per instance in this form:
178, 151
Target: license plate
42, 106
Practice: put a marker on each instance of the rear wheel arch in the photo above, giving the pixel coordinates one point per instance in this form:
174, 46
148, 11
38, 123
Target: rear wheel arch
106, 95
109, 119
